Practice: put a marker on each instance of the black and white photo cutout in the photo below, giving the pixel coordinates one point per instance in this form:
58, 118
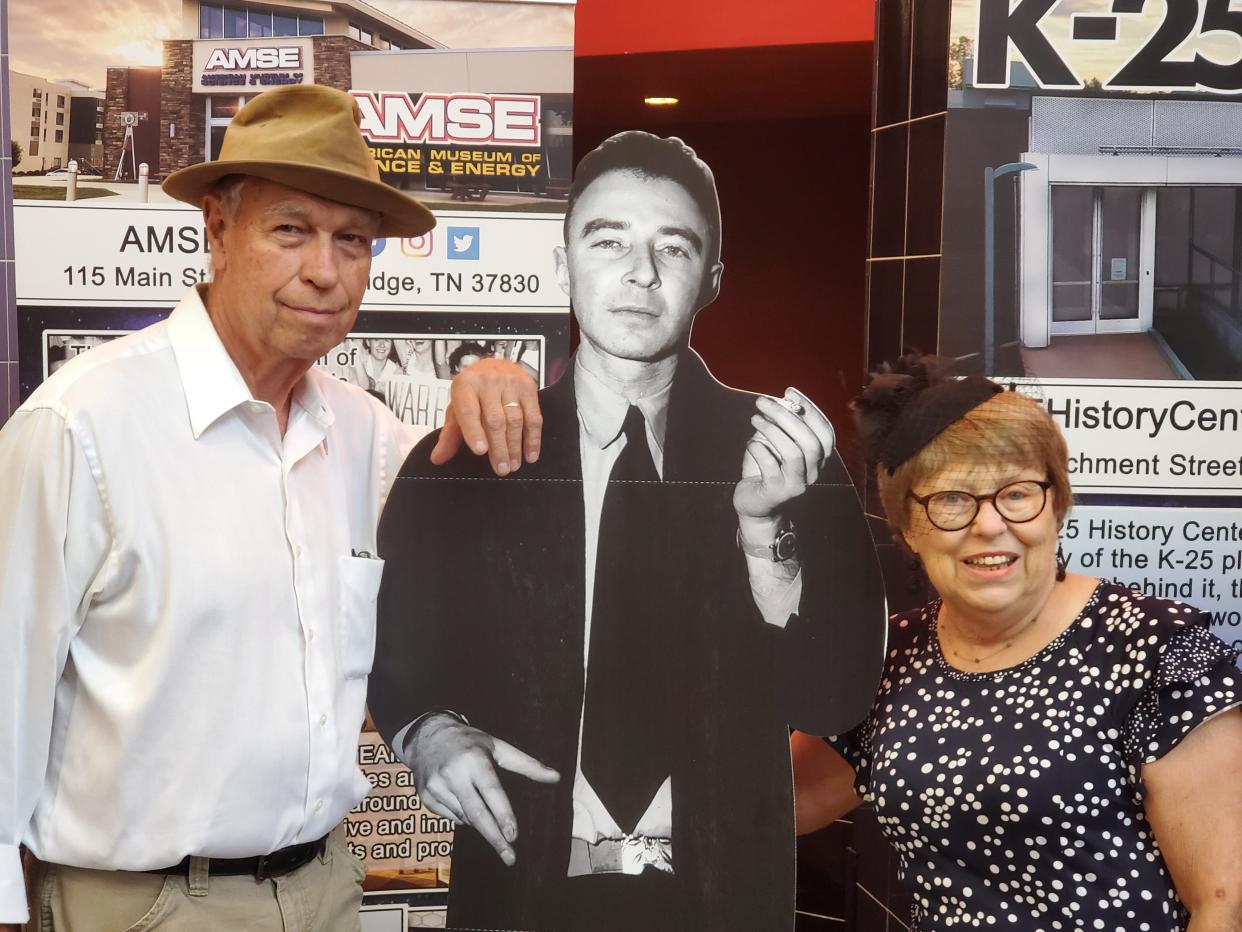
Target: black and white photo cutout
600, 695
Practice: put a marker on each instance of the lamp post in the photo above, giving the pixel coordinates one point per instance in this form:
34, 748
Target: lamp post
989, 256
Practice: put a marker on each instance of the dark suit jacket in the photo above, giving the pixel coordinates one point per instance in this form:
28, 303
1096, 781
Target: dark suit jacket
482, 611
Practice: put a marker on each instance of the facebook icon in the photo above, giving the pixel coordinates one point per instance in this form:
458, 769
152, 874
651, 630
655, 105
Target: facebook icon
463, 242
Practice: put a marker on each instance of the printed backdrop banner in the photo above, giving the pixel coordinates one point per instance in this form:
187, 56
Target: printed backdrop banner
148, 255
493, 164
470, 144
1093, 150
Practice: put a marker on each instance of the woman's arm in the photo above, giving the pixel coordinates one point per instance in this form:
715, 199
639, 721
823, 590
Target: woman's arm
1194, 805
823, 783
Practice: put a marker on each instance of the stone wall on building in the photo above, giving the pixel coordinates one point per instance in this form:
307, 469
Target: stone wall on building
332, 60
116, 93
180, 108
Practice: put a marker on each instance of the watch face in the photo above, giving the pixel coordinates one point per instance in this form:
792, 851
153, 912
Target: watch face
785, 547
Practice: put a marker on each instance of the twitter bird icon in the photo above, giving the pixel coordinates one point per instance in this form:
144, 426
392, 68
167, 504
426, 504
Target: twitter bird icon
463, 242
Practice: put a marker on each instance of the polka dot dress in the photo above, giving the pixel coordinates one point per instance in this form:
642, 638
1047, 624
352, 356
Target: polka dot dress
1013, 797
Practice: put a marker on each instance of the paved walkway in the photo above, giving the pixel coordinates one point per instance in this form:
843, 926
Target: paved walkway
1102, 356
125, 190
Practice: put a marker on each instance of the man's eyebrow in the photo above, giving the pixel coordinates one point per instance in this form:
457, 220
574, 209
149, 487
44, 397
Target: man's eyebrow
594, 226
286, 209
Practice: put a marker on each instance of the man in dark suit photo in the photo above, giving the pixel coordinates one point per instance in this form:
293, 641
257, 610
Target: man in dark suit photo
603, 706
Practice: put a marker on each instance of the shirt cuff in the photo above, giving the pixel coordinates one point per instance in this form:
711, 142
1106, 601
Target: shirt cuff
775, 587
398, 740
12, 886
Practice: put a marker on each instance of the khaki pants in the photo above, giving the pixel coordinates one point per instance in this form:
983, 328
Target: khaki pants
322, 896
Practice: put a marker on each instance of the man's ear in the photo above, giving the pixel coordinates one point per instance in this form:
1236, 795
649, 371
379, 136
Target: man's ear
562, 268
215, 222
711, 285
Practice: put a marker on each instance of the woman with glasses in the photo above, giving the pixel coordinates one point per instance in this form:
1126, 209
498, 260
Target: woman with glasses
1047, 750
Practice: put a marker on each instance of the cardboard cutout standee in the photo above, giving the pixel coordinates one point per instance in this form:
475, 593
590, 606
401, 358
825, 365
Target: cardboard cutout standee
604, 697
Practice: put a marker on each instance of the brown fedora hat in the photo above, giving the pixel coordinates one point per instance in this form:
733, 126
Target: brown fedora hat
305, 136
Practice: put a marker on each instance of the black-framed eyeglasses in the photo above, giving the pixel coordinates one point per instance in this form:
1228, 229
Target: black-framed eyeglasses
1017, 503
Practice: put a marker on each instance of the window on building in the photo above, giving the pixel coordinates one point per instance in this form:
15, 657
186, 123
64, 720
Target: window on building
310, 26
381, 42
357, 32
260, 23
284, 25
34, 130
234, 23
60, 119
225, 107
210, 22
60, 101
34, 146
60, 135
220, 112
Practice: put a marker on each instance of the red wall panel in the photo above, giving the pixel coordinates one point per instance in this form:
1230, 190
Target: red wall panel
611, 27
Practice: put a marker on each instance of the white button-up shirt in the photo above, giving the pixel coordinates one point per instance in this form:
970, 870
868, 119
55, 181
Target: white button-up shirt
187, 606
775, 587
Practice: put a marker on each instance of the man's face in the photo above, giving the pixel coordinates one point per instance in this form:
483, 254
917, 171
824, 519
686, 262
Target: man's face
635, 266
378, 348
290, 271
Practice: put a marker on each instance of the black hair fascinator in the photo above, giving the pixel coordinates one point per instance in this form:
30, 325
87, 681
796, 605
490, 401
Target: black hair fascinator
908, 403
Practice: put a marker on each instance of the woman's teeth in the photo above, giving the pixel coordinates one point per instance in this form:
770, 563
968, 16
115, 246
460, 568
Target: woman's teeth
992, 562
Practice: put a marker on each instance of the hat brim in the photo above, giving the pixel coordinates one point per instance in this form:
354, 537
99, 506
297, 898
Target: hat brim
400, 214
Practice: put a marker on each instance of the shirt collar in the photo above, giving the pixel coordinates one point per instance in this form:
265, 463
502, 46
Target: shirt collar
601, 411
213, 386
211, 381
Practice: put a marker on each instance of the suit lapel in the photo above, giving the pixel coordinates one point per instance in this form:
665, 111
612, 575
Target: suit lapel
560, 529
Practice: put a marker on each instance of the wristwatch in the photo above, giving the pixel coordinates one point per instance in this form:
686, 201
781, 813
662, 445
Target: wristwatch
783, 548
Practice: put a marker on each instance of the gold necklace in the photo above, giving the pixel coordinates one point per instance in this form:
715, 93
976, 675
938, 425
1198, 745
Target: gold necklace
1000, 650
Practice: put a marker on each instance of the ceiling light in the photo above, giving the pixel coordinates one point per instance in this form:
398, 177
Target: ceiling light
660, 101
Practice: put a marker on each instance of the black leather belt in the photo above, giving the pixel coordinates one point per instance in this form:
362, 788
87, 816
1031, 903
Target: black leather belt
276, 864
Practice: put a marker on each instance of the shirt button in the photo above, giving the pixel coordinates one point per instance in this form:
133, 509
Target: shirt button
310, 634
323, 720
318, 804
297, 551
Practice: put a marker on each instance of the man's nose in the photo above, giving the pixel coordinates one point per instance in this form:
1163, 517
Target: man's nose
320, 263
643, 272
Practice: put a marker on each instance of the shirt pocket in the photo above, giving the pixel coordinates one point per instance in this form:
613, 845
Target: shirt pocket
360, 582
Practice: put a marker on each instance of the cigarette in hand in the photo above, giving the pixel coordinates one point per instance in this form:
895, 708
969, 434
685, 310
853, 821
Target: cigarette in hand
792, 404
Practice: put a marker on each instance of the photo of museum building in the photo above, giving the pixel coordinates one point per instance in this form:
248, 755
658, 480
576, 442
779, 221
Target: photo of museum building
175, 115
1116, 230
226, 54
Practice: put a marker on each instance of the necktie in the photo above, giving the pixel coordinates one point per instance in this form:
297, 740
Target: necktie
625, 747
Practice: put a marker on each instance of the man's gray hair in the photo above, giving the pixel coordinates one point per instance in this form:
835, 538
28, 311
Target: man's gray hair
228, 191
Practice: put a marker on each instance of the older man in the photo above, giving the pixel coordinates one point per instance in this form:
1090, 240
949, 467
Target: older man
187, 562
685, 572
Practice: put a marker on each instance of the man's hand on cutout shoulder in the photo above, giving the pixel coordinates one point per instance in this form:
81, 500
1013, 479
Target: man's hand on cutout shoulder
494, 408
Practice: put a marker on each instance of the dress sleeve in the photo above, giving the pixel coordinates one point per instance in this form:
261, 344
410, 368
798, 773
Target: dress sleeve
1195, 678
855, 746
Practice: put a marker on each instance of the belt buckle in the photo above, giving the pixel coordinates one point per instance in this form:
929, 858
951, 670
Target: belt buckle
279, 863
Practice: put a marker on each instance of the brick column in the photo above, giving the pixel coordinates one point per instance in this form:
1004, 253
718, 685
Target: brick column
180, 107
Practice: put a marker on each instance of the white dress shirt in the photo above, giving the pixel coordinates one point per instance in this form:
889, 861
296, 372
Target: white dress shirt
187, 606
776, 587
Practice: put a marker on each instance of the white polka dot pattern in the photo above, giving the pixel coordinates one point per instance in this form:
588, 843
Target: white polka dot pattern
1013, 797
